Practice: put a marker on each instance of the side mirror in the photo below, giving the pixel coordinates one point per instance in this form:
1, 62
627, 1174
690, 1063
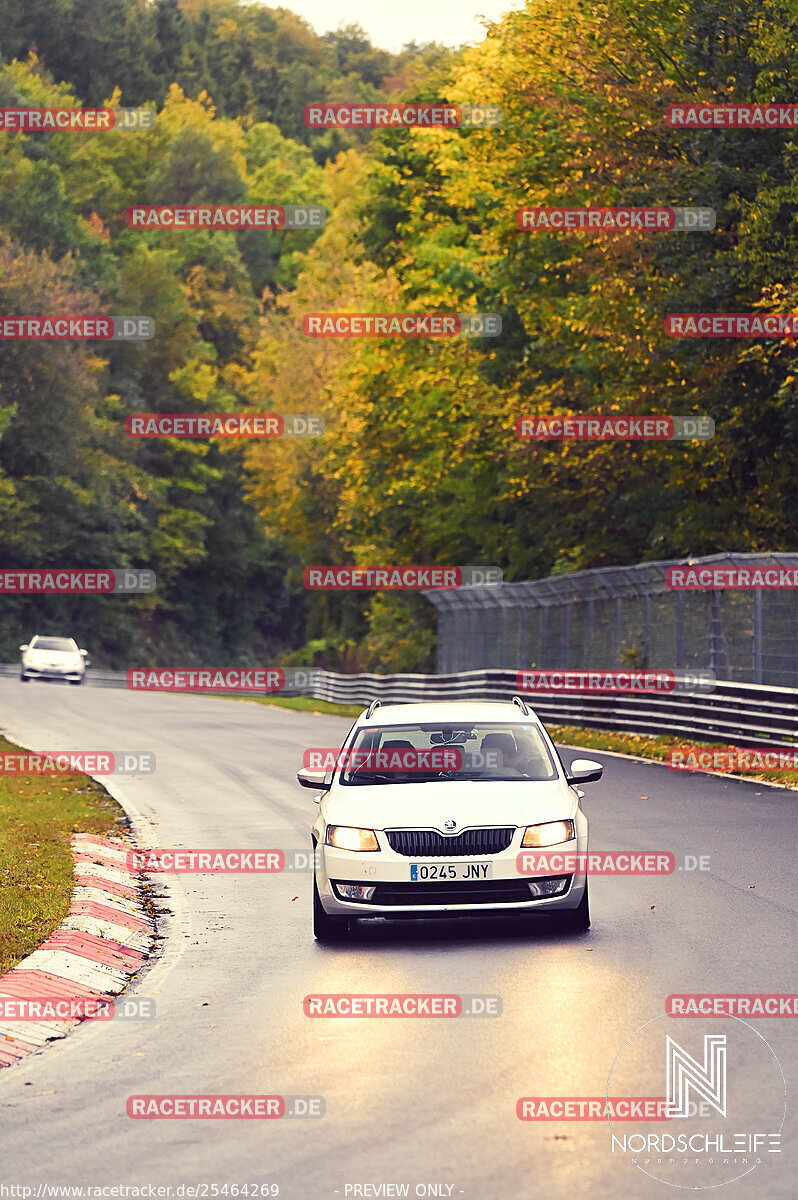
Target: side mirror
83, 653
313, 779
584, 770
23, 648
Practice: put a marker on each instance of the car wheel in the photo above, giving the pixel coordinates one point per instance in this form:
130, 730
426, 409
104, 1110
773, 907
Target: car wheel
325, 927
24, 679
77, 682
578, 919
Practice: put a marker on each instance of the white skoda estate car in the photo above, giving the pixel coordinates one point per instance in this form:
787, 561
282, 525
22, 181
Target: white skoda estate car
445, 809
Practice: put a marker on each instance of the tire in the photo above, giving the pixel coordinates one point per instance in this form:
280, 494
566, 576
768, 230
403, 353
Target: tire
578, 919
77, 682
326, 928
24, 679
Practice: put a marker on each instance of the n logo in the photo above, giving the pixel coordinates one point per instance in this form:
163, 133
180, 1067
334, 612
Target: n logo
685, 1074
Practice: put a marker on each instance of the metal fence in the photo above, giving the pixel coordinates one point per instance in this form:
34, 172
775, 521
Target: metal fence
624, 616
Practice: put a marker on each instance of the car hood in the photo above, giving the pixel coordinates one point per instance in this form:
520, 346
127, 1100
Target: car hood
469, 803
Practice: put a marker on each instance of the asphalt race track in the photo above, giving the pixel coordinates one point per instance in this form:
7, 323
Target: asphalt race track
417, 1101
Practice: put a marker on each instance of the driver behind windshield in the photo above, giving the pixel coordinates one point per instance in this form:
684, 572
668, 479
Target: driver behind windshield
483, 753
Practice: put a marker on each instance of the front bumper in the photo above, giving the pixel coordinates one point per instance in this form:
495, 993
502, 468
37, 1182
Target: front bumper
396, 895
52, 672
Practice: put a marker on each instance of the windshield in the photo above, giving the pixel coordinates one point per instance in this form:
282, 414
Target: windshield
48, 643
425, 753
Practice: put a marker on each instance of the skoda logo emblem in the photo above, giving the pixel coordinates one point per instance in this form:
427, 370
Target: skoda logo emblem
450, 824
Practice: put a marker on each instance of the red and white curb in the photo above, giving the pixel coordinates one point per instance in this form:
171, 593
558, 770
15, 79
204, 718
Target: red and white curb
92, 955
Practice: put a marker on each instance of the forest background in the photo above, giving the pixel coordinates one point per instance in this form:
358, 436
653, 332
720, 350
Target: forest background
419, 462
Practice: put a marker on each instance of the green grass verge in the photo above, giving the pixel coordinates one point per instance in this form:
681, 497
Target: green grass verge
37, 815
645, 746
306, 704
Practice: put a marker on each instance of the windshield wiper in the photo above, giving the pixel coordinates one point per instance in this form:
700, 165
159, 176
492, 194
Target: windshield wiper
357, 778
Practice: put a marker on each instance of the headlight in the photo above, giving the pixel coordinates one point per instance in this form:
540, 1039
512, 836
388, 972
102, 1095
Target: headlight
345, 837
550, 834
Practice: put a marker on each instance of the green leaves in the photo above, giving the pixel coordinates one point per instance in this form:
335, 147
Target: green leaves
420, 462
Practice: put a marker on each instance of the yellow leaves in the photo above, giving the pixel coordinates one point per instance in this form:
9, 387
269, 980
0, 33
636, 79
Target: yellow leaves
227, 30
205, 100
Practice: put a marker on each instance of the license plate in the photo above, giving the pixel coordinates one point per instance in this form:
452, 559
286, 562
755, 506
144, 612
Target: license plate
435, 872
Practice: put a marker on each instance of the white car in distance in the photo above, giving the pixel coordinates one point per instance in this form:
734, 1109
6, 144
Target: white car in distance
414, 840
53, 658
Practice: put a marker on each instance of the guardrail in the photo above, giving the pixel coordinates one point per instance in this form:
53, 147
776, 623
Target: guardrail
736, 713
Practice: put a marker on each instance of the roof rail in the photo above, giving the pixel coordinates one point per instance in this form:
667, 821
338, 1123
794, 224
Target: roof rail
521, 702
374, 704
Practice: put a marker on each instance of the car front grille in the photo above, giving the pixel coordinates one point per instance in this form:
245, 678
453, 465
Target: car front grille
484, 891
428, 843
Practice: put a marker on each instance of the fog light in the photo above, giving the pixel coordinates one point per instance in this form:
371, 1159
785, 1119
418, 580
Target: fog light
550, 887
354, 891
